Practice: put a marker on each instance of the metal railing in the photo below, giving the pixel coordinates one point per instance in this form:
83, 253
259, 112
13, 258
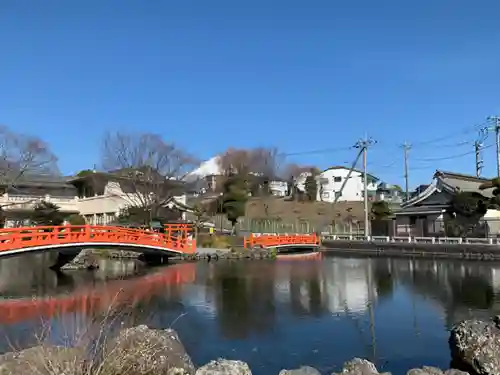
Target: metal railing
410, 239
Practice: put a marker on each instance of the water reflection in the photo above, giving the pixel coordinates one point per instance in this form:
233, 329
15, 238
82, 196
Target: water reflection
271, 314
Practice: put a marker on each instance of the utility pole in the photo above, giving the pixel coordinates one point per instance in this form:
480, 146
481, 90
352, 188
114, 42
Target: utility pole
479, 161
363, 144
496, 128
406, 148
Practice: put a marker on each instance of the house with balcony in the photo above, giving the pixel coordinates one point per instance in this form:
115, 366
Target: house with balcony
98, 197
389, 193
330, 182
17, 202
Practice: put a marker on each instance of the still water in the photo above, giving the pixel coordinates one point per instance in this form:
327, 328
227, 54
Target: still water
271, 314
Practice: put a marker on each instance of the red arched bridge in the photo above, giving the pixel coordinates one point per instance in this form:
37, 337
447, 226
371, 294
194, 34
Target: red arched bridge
70, 239
282, 241
91, 300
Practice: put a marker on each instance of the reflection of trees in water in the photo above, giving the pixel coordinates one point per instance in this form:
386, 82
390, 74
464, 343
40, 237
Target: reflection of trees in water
383, 278
244, 297
461, 288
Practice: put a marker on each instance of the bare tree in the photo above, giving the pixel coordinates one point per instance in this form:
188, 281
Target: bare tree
148, 170
292, 170
22, 155
235, 161
266, 162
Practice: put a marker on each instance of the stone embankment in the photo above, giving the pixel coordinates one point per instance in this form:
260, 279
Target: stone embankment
88, 258
144, 351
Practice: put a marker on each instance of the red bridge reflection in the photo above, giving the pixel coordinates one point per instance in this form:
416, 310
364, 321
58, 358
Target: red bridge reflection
89, 300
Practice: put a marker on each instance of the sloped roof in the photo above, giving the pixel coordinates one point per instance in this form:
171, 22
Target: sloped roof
451, 182
354, 170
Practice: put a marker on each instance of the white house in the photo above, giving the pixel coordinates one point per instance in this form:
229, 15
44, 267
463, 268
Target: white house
330, 181
95, 197
210, 169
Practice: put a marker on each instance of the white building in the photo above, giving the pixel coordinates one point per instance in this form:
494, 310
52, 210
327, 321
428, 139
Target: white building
96, 197
210, 171
330, 181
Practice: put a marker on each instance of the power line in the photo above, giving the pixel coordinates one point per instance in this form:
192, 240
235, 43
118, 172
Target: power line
452, 156
466, 130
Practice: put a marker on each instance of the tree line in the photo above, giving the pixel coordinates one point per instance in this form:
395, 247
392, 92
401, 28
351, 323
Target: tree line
149, 170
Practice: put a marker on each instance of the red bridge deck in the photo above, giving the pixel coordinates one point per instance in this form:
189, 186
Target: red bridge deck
282, 240
18, 240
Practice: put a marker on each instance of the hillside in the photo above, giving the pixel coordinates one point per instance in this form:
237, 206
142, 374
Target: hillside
314, 212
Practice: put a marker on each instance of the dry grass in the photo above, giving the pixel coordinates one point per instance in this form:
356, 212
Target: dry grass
314, 212
91, 350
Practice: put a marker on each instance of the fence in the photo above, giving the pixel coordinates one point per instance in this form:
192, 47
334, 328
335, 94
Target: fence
273, 225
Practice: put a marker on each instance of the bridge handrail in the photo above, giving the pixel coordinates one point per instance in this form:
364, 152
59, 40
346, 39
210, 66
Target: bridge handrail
270, 240
11, 238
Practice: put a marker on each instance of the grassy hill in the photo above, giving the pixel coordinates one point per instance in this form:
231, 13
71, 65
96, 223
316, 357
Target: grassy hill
279, 214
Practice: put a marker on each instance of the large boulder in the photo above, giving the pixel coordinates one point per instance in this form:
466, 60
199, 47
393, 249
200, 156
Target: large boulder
304, 370
358, 366
224, 367
475, 344
143, 351
428, 370
44, 360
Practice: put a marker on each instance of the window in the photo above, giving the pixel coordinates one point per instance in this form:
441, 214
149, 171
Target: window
325, 195
110, 217
323, 181
99, 219
337, 179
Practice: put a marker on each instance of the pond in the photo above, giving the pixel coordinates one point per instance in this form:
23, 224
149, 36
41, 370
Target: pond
271, 314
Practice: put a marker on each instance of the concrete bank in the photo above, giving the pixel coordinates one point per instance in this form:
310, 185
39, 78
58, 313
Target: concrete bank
406, 249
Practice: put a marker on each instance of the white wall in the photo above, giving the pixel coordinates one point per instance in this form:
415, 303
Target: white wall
331, 181
100, 209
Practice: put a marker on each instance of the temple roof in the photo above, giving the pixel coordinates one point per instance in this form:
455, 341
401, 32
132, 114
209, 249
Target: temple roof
452, 183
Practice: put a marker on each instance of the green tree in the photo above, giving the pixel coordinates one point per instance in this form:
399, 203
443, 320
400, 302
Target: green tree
46, 213
234, 198
76, 219
85, 172
380, 210
311, 186
462, 217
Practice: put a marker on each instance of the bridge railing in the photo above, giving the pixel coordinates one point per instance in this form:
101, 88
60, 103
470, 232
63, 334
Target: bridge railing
16, 238
273, 240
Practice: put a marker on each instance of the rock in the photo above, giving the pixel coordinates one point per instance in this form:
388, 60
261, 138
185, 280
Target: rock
224, 367
476, 345
84, 260
304, 370
53, 360
141, 350
359, 366
426, 370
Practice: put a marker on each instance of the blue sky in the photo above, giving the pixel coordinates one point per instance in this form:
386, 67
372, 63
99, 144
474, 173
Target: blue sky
298, 75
